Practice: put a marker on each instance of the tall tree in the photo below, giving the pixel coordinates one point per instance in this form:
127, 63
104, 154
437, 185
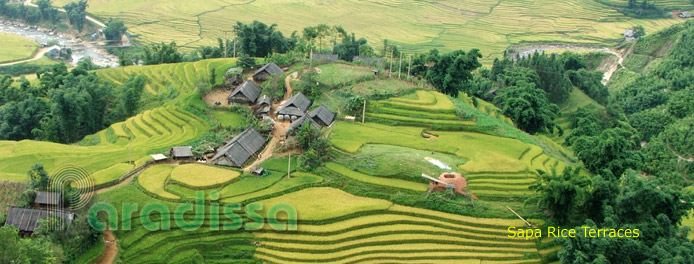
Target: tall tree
115, 29
453, 71
76, 14
528, 107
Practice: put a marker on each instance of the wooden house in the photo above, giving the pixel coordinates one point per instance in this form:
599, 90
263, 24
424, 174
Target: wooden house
247, 93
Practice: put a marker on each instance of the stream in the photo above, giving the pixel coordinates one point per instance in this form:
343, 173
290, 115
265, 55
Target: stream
80, 49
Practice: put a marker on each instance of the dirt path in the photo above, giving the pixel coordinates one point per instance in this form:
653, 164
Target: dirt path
60, 9
110, 249
280, 128
679, 157
36, 56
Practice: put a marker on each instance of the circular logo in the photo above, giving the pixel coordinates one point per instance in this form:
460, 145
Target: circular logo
75, 183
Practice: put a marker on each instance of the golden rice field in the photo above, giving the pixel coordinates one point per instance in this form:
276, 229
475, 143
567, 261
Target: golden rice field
490, 26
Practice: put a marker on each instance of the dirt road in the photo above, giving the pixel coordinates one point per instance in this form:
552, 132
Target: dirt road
36, 56
280, 128
110, 249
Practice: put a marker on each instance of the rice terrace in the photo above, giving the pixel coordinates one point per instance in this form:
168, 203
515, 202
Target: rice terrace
324, 131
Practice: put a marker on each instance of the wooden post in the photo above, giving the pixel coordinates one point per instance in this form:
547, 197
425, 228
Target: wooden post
521, 218
289, 166
234, 47
226, 39
363, 113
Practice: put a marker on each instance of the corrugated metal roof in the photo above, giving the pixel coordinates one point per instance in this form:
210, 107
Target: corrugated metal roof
271, 68
324, 114
241, 147
299, 101
27, 219
248, 89
182, 152
265, 100
48, 198
300, 122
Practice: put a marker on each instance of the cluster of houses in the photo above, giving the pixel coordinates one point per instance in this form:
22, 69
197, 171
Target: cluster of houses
244, 146
46, 204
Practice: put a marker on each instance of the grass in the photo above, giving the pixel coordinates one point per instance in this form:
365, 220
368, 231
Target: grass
200, 176
250, 183
484, 152
419, 26
228, 119
337, 203
395, 183
381, 87
399, 162
338, 74
16, 47
637, 62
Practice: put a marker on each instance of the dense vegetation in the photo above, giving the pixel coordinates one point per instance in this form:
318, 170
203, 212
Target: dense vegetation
65, 105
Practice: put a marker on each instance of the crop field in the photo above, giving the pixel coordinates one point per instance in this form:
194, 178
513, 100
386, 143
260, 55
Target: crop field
505, 168
201, 176
429, 109
353, 229
338, 74
16, 47
490, 26
167, 79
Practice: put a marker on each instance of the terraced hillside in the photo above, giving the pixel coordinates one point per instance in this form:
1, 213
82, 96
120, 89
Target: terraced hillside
419, 25
498, 168
106, 154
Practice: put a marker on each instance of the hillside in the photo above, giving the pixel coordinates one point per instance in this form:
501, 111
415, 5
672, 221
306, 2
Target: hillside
421, 25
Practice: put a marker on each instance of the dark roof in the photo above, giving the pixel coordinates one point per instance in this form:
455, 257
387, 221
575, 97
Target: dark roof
248, 89
323, 114
265, 100
299, 101
48, 198
293, 111
271, 68
300, 122
242, 147
182, 152
324, 57
26, 219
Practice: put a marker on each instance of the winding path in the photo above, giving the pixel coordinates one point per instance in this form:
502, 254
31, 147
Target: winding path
39, 53
279, 129
110, 248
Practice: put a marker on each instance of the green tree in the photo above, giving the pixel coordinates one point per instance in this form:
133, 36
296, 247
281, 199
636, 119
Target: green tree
115, 28
162, 53
246, 61
528, 107
24, 250
562, 194
316, 147
259, 40
76, 14
453, 71
614, 150
38, 177
129, 95
639, 31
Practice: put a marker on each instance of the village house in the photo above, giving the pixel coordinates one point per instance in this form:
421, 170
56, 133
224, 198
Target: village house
247, 93
47, 200
322, 116
181, 153
291, 130
264, 105
685, 14
294, 108
240, 149
26, 220
629, 35
266, 71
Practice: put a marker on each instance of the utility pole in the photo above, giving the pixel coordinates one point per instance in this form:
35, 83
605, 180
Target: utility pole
130, 148
390, 71
289, 167
400, 66
310, 59
234, 47
363, 113
226, 40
